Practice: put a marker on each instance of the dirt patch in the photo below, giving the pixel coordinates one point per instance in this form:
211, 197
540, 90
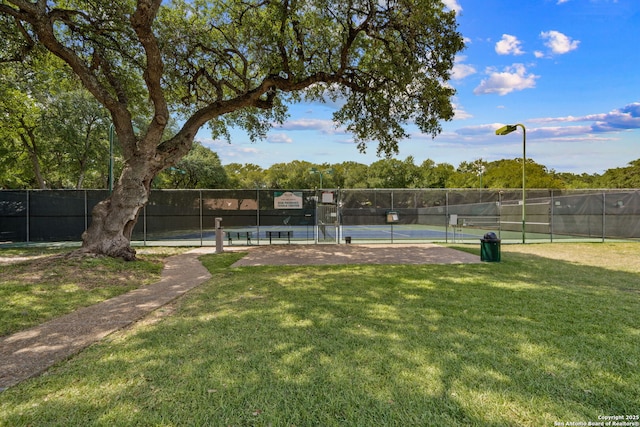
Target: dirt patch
354, 254
56, 270
6, 260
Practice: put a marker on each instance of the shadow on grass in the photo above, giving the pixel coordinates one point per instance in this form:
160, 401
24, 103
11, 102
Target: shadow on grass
525, 342
39, 289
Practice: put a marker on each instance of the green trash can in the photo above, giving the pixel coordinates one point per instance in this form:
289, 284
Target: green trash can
490, 248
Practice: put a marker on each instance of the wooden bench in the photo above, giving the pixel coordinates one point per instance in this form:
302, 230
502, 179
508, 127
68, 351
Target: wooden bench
280, 235
238, 235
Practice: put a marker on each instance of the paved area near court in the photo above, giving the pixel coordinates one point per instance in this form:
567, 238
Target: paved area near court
355, 254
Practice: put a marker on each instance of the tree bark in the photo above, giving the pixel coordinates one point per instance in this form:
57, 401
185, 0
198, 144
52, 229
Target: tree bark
114, 218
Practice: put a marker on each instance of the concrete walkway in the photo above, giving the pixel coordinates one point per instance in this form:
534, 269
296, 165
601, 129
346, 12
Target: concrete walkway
30, 352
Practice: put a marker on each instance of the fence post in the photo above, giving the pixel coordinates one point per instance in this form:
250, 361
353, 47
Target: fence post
258, 214
86, 208
201, 227
551, 212
604, 215
28, 215
144, 225
500, 213
446, 216
392, 222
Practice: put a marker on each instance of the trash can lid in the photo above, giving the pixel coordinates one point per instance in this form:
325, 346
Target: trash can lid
490, 236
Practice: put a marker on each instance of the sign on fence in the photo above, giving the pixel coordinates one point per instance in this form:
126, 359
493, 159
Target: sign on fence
287, 200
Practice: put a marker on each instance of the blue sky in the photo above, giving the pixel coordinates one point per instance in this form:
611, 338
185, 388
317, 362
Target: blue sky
566, 69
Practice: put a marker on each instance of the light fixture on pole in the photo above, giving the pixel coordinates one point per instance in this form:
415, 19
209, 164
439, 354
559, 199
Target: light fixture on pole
505, 130
314, 171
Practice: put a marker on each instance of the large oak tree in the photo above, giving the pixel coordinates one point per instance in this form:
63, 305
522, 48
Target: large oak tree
237, 62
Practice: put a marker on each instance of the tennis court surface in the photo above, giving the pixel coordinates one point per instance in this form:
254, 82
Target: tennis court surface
354, 254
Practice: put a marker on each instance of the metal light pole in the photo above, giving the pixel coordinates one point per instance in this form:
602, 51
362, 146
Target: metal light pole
505, 130
314, 171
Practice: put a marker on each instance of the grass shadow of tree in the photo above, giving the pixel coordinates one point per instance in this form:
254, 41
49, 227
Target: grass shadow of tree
524, 342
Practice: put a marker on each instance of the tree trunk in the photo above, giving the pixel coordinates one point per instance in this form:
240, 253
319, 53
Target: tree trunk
80, 181
37, 171
30, 145
114, 218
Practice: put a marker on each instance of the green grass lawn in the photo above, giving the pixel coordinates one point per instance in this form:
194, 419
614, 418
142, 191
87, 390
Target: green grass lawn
530, 341
47, 285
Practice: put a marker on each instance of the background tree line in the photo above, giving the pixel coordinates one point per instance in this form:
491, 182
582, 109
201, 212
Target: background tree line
394, 173
53, 134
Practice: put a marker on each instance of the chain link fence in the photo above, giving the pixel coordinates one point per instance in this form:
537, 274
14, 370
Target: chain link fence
316, 216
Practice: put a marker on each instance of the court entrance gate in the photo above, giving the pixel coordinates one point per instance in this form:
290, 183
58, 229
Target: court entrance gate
327, 223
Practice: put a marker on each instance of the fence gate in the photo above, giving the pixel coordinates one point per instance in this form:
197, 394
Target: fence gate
327, 225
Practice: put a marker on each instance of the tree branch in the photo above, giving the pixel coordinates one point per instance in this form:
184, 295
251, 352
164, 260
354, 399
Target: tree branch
142, 21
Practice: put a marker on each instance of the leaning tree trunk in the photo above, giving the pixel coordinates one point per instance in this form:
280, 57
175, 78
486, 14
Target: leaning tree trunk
114, 218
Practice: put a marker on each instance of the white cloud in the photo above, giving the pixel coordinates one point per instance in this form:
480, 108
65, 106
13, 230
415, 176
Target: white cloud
453, 5
460, 70
565, 133
460, 113
597, 129
208, 142
487, 129
558, 42
510, 79
229, 153
538, 54
322, 125
562, 1
509, 45
279, 138
625, 118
